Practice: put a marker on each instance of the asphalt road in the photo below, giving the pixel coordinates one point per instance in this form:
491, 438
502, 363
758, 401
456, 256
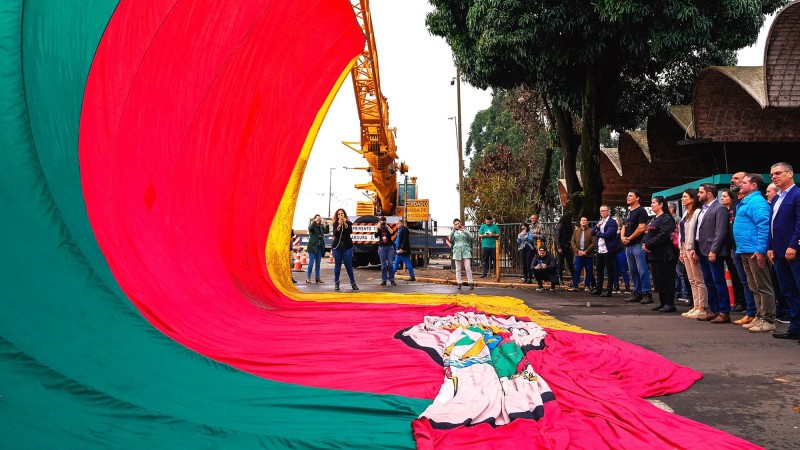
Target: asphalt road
751, 383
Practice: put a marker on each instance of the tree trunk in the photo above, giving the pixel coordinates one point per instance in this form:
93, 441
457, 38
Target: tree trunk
540, 198
590, 150
569, 143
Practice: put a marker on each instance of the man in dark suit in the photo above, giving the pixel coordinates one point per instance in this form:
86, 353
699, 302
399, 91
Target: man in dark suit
711, 235
784, 234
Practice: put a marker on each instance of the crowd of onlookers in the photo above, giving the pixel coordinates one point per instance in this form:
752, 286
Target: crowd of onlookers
685, 256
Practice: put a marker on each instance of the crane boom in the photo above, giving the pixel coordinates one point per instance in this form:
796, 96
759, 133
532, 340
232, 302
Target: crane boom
377, 138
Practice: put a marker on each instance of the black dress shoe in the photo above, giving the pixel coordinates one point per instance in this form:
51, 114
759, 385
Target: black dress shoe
595, 292
787, 335
657, 307
667, 309
605, 294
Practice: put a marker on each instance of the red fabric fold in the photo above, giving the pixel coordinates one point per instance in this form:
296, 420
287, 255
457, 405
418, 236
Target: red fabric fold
598, 382
193, 119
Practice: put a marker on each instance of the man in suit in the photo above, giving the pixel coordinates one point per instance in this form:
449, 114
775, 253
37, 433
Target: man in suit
711, 235
783, 244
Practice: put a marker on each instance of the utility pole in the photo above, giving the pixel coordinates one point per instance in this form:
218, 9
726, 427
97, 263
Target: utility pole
457, 81
330, 191
405, 199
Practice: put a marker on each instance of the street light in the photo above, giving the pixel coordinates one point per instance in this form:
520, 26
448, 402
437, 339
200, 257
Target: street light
330, 191
457, 82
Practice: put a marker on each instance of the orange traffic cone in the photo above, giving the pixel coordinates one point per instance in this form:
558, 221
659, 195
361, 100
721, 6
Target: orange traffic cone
298, 265
330, 260
305, 258
730, 285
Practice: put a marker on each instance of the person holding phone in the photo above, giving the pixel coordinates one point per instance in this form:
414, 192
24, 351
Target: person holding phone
342, 248
461, 241
386, 251
317, 229
525, 244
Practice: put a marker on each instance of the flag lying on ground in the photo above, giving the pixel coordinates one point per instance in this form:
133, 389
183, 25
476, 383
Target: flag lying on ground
152, 151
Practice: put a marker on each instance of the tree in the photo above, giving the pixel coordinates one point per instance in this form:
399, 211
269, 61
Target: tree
516, 122
494, 126
608, 62
497, 185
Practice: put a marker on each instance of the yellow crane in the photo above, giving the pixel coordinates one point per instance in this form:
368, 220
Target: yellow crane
377, 137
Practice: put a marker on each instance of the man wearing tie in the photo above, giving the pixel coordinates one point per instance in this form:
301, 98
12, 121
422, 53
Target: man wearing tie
784, 235
711, 235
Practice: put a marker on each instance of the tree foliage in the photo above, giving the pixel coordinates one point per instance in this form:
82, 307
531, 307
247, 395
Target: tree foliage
524, 139
499, 186
613, 61
493, 127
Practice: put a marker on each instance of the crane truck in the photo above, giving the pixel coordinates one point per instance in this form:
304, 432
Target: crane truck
387, 196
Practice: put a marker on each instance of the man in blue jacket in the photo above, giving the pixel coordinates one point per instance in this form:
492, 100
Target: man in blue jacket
402, 244
784, 235
751, 233
608, 245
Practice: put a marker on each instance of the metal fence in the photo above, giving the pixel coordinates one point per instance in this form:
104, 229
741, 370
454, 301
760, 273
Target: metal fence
510, 260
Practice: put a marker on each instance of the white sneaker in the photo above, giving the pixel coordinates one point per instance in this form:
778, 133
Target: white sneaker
763, 327
689, 313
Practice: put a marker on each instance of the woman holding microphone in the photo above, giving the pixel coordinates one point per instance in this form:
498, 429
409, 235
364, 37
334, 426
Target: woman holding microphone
342, 248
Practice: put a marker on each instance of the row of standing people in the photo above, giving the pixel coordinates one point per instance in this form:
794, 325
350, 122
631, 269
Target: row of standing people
758, 238
391, 251
530, 236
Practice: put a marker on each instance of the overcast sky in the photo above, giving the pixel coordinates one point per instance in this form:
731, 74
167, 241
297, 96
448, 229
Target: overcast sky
415, 69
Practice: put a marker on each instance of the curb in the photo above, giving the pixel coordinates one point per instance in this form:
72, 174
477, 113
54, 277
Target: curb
499, 284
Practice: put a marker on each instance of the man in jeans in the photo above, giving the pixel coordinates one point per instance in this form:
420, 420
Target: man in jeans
711, 237
751, 233
781, 307
402, 245
583, 246
488, 234
631, 237
386, 251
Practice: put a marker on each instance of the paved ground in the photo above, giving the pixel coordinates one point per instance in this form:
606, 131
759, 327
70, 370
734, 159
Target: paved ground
751, 384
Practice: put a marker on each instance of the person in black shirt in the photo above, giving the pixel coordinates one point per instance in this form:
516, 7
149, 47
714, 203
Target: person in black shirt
544, 267
564, 230
657, 244
632, 230
342, 248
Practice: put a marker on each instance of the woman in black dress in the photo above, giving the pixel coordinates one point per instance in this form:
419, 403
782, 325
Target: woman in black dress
663, 255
